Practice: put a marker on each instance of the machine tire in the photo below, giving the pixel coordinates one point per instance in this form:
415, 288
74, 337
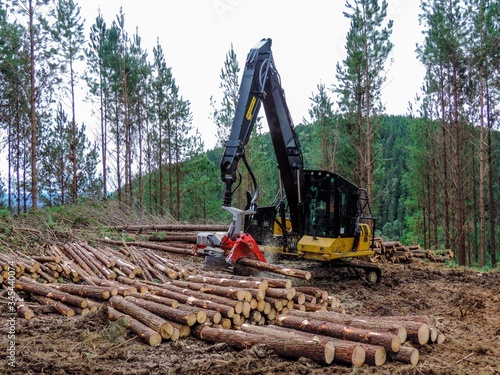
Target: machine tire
372, 276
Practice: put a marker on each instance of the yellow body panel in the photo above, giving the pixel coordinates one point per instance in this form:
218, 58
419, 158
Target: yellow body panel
277, 228
326, 249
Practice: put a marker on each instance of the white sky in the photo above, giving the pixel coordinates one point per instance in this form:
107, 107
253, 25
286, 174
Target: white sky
308, 41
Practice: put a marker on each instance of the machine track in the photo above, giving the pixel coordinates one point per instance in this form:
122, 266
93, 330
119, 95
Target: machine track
336, 270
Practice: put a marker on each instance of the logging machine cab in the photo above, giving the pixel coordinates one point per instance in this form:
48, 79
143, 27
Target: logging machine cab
320, 215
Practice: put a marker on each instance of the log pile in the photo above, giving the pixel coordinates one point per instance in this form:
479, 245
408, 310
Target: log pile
160, 299
182, 237
396, 252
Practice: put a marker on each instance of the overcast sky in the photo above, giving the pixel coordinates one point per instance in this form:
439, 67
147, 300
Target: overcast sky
308, 41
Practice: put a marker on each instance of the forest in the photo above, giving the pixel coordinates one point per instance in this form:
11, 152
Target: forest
433, 175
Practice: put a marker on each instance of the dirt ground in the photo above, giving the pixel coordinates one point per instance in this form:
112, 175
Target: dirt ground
466, 304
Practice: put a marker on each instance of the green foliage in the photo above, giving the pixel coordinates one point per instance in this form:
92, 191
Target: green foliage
223, 113
115, 331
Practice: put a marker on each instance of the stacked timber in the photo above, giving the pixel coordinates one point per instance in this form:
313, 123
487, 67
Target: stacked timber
396, 252
160, 300
177, 235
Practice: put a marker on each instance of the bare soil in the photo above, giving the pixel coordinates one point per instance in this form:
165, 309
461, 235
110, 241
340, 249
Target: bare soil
466, 304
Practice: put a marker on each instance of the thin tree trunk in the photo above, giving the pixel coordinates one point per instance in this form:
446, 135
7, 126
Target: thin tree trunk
139, 124
104, 140
170, 157
492, 206
34, 191
117, 129
482, 172
74, 189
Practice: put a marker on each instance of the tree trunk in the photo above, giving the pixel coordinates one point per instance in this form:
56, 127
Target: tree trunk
275, 268
167, 312
160, 325
158, 299
46, 291
34, 190
351, 321
292, 347
22, 310
58, 306
346, 352
144, 332
226, 310
406, 354
228, 292
253, 284
387, 340
87, 291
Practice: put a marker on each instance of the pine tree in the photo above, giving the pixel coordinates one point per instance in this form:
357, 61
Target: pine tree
321, 113
483, 61
361, 77
162, 86
443, 53
41, 80
229, 85
14, 113
68, 34
97, 81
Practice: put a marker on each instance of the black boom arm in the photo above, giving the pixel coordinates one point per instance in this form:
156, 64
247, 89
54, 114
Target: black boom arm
261, 85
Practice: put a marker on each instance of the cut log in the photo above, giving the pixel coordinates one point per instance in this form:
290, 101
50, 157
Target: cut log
349, 320
272, 282
201, 314
94, 264
167, 312
215, 300
440, 338
160, 325
262, 266
320, 294
158, 299
168, 249
141, 288
228, 292
76, 257
346, 352
314, 306
387, 340
45, 259
172, 227
286, 294
405, 354
100, 255
94, 306
428, 319
226, 310
169, 272
294, 348
144, 332
417, 326
375, 355
80, 311
59, 306
22, 309
87, 291
46, 291
261, 285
